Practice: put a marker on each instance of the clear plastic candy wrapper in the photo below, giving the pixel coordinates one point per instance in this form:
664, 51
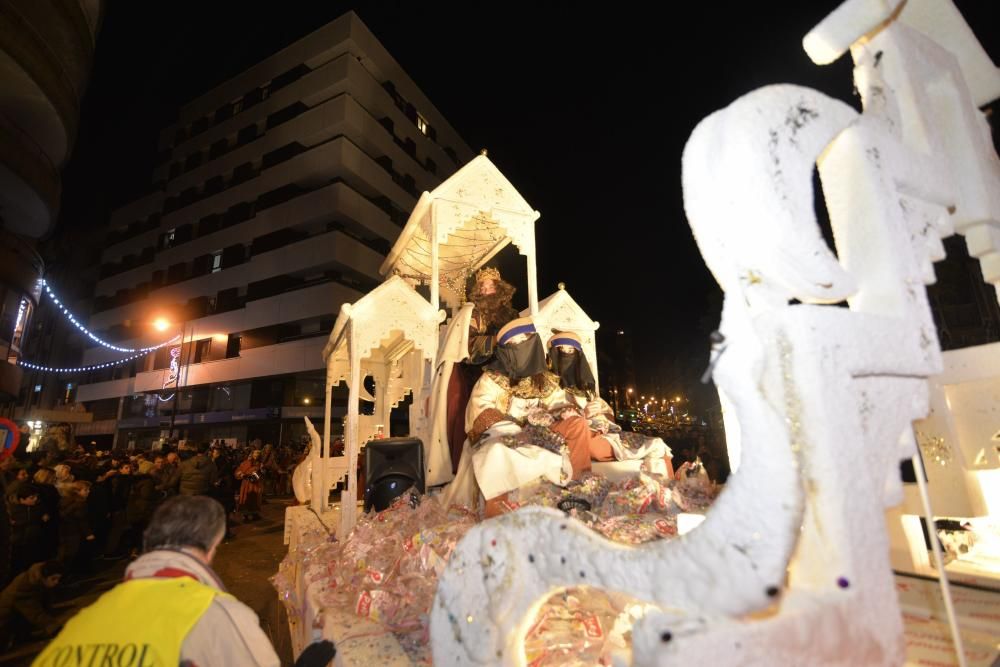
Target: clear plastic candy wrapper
387, 569
582, 626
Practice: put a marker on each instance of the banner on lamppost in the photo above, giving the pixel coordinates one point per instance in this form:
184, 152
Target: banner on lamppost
171, 379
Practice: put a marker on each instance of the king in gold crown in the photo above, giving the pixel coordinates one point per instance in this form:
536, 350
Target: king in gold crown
488, 273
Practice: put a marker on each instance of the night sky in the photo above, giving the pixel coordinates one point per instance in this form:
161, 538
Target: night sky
585, 111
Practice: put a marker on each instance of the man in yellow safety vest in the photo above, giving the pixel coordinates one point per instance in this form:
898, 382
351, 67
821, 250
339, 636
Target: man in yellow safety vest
172, 609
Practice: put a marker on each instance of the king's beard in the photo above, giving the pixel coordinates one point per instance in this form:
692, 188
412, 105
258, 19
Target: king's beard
495, 309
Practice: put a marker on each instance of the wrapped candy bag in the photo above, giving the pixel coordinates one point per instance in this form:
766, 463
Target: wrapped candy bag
579, 626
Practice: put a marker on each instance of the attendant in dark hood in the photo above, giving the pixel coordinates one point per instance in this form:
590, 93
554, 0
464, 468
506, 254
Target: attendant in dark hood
568, 361
508, 415
583, 415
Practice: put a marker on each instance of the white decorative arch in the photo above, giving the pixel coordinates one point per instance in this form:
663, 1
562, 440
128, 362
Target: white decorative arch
391, 333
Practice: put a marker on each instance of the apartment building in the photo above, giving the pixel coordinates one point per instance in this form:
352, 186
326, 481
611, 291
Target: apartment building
47, 51
276, 197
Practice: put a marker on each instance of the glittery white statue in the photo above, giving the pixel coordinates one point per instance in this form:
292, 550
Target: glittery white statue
302, 476
824, 396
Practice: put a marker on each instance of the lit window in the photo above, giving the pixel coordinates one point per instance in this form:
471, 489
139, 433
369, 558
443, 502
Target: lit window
168, 238
38, 388
216, 261
422, 124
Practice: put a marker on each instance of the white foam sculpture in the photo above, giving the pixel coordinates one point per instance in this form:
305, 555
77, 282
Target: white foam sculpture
824, 396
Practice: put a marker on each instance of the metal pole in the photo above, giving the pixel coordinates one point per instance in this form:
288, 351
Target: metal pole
949, 606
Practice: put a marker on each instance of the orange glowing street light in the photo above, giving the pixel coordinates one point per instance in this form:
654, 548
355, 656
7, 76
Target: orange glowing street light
161, 324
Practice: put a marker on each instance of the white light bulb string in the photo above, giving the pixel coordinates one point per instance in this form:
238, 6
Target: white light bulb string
72, 318
82, 369
139, 352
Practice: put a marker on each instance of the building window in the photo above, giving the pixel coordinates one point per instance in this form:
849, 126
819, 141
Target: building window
203, 348
233, 346
216, 261
169, 237
422, 124
38, 388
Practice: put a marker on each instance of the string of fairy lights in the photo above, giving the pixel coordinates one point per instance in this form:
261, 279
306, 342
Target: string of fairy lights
138, 352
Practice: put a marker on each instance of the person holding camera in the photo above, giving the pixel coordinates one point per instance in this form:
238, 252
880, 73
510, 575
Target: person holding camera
251, 486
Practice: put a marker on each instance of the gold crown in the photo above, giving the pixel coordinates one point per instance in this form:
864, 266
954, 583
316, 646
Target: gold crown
488, 273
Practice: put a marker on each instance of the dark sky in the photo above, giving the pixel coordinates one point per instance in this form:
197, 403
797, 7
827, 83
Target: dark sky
585, 111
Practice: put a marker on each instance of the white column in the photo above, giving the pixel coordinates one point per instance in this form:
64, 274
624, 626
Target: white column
348, 499
321, 477
435, 262
532, 283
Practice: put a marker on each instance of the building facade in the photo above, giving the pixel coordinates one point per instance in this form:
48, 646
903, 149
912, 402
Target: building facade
46, 53
276, 197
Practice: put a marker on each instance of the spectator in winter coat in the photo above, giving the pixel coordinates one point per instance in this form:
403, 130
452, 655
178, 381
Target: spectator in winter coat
5, 466
224, 489
19, 477
64, 476
24, 604
142, 501
26, 528
48, 501
121, 488
198, 473
74, 522
170, 475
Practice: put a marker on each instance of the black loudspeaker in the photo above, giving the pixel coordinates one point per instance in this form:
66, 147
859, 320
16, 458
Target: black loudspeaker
392, 466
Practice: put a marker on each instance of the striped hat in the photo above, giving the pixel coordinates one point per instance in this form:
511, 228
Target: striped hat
566, 338
522, 325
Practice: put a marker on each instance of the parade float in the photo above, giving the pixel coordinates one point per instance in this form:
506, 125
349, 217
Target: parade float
793, 562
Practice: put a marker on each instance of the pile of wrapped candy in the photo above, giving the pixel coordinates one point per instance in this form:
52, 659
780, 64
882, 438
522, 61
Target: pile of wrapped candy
387, 569
693, 491
582, 626
637, 510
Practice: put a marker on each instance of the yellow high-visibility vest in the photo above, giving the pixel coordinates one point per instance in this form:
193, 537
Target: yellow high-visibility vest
138, 623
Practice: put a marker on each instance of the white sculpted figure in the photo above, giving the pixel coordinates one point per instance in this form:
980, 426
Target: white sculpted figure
302, 483
816, 389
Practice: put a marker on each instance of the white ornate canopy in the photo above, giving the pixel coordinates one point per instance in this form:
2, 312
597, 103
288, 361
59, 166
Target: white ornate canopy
459, 226
391, 334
